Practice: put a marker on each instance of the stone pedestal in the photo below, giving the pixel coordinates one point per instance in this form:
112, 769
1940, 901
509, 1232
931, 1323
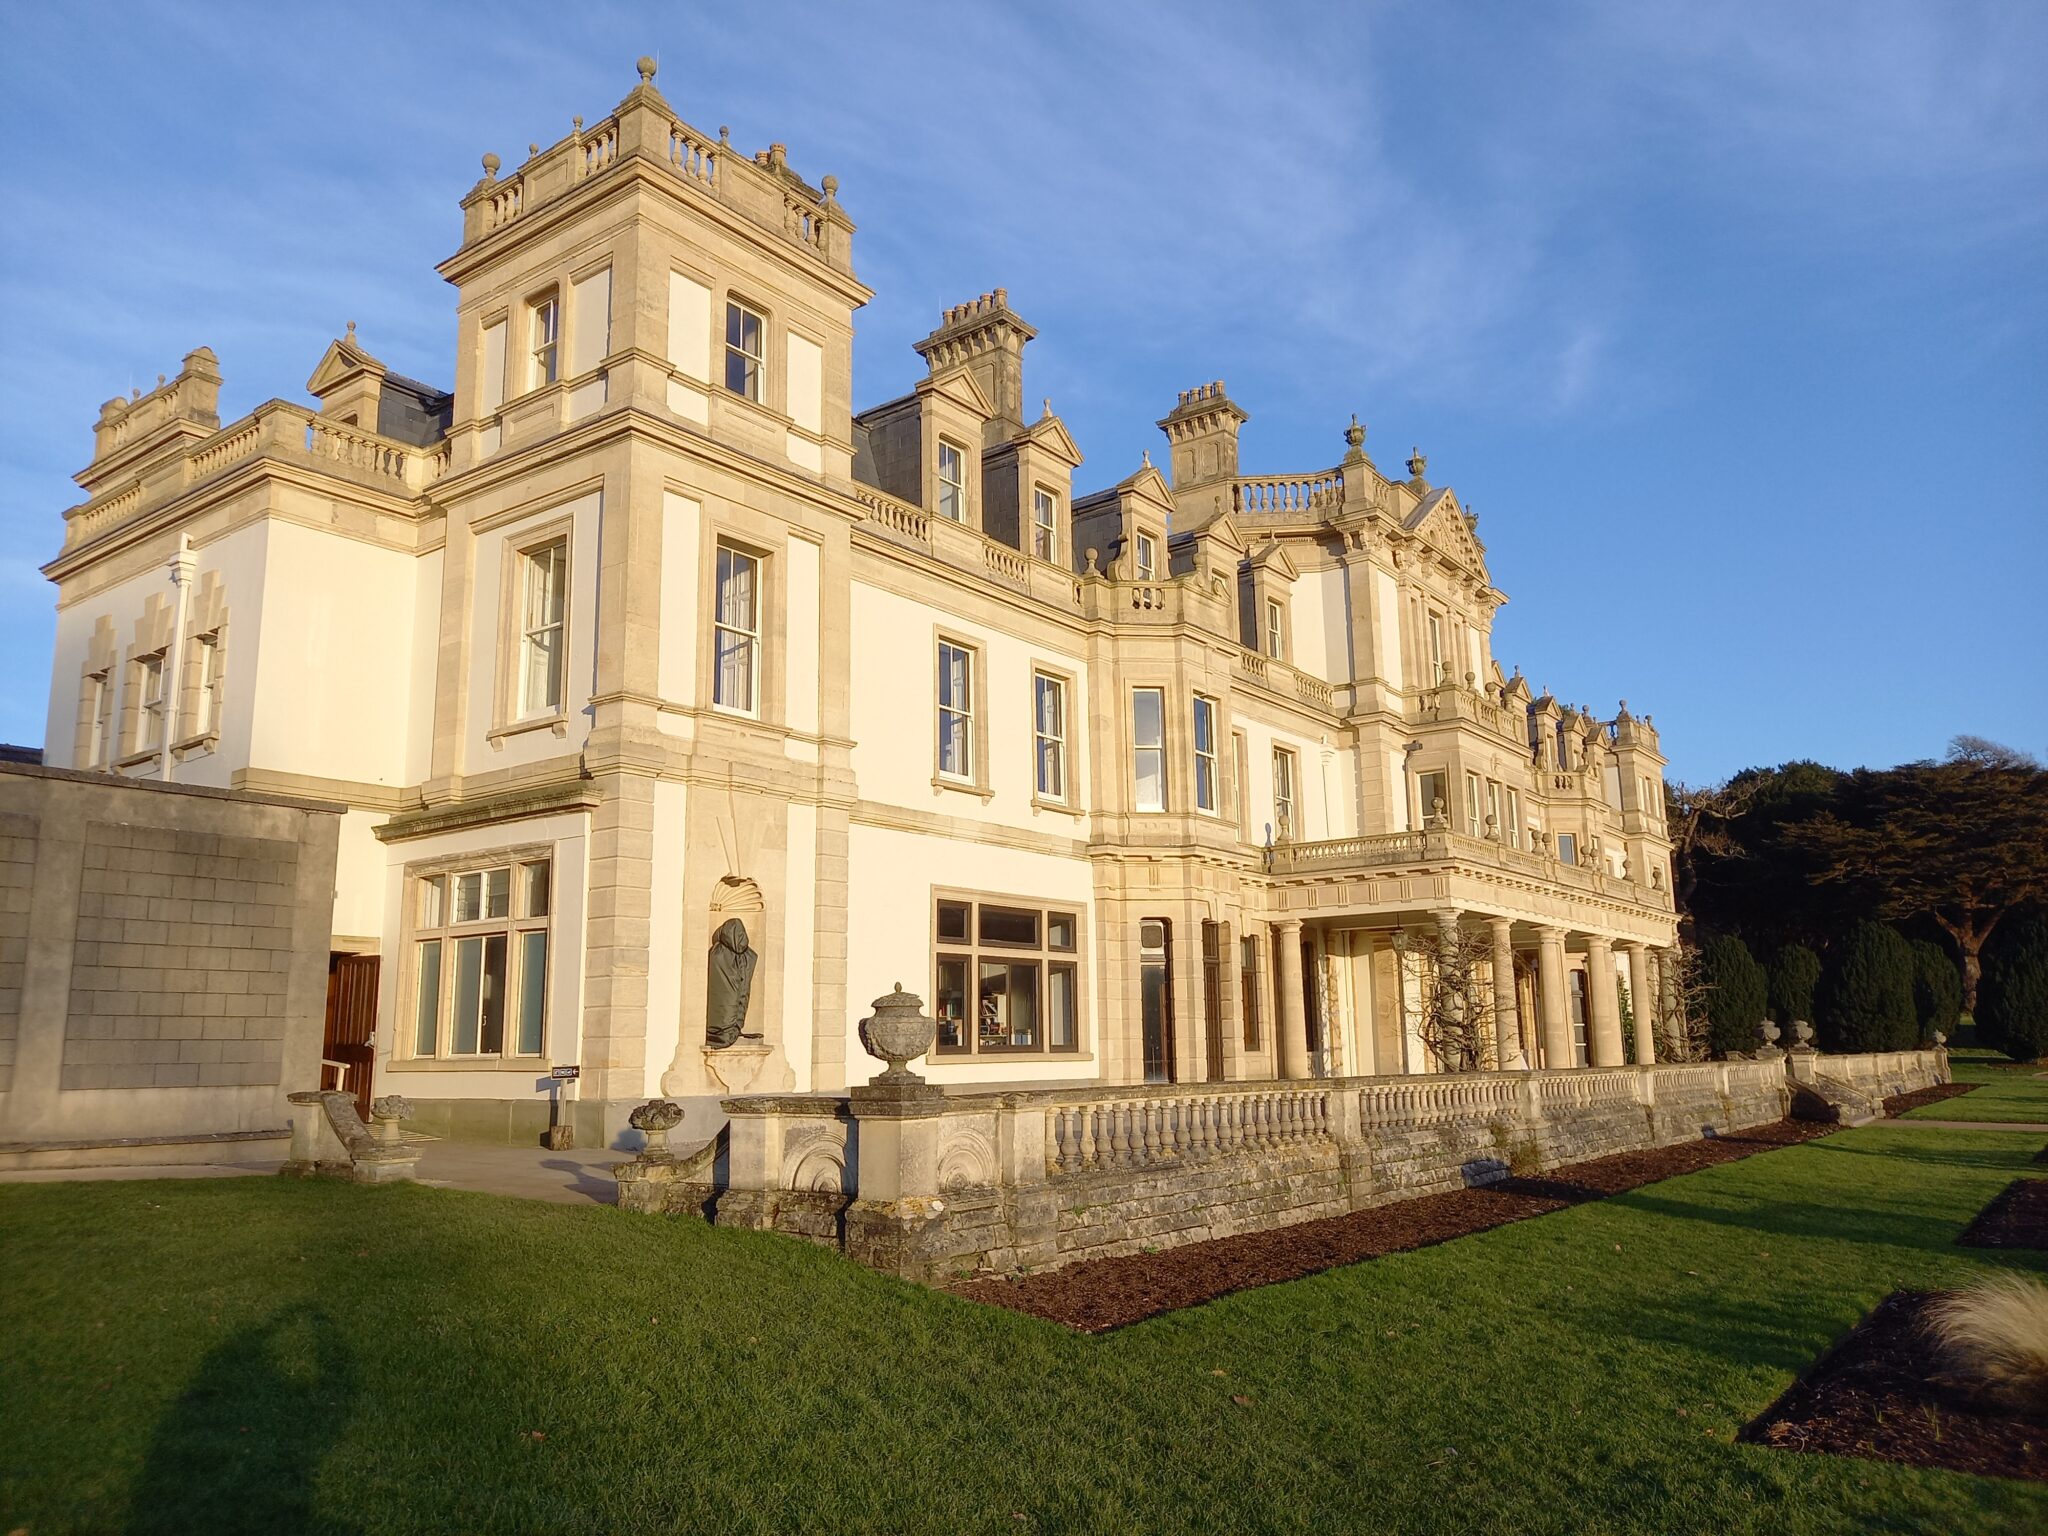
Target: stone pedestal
738, 1067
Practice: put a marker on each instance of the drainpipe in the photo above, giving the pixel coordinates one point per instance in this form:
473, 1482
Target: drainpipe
181, 567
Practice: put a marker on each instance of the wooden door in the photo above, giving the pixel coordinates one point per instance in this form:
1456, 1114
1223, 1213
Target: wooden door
1212, 998
351, 1022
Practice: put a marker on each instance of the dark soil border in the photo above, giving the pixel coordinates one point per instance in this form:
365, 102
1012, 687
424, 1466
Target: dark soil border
2017, 1217
1096, 1295
1899, 1103
1879, 1394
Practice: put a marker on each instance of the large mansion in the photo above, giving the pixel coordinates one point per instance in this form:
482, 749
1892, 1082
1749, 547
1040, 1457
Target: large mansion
642, 628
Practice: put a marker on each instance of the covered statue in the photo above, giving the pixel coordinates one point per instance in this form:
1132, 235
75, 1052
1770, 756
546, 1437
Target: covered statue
729, 985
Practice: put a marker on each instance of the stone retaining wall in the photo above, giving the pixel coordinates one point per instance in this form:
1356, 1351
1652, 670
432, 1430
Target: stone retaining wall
933, 1185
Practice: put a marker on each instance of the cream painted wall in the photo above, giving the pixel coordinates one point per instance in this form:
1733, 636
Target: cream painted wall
359, 872
426, 657
1387, 642
889, 937
799, 943
1324, 803
568, 835
1308, 624
489, 620
800, 634
894, 645
665, 931
1331, 658
676, 668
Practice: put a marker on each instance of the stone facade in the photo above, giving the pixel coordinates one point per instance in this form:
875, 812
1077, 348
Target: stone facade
162, 961
645, 609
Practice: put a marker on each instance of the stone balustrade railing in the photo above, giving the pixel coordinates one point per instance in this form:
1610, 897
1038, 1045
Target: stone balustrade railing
1442, 846
1306, 494
926, 1182
276, 430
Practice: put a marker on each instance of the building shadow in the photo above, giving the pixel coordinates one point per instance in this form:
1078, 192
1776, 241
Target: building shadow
588, 1182
240, 1450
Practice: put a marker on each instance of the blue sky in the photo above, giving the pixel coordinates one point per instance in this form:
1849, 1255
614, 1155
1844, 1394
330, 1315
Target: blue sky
1730, 320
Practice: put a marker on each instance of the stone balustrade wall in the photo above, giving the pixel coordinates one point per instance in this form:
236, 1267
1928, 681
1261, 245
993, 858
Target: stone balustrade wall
966, 1182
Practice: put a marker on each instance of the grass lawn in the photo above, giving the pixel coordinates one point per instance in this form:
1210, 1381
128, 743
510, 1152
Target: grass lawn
2009, 1092
268, 1356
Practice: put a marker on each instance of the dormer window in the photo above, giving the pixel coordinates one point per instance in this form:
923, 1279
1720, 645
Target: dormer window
1276, 629
952, 482
1147, 558
746, 351
1045, 509
546, 330
1436, 648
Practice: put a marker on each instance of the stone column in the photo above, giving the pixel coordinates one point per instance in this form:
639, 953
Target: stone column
1291, 1022
1552, 1000
1642, 996
1449, 926
1667, 1003
1603, 1003
1507, 1024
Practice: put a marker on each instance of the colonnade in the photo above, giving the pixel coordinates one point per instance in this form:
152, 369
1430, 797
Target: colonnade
1651, 982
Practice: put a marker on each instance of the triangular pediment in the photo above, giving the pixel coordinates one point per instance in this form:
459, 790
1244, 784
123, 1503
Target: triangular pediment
1442, 524
957, 386
1272, 556
1222, 531
343, 360
1049, 435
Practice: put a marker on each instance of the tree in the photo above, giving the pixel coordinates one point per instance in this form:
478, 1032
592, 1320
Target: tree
1795, 972
1684, 1029
1963, 842
1937, 989
1736, 993
1455, 1015
1696, 818
1865, 999
2012, 1010
1745, 879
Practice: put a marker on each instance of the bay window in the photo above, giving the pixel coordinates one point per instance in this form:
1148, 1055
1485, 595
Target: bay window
480, 961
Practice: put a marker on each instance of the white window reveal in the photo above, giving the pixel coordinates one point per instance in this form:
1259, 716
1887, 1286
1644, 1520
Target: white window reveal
952, 482
956, 710
736, 638
1148, 738
1049, 732
544, 605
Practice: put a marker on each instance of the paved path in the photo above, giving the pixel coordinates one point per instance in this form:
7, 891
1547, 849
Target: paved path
2036, 1126
532, 1173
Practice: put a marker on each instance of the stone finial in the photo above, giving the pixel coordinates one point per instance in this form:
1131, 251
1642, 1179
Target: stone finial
1940, 1039
1417, 464
898, 1032
1045, 413
393, 1106
654, 1120
1354, 435
646, 67
1802, 1032
831, 188
724, 137
1768, 1032
532, 150
1147, 454
350, 338
491, 164
1094, 563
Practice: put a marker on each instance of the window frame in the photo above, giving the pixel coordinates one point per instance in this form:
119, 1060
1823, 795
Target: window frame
1439, 670
517, 926
1140, 750
1144, 556
151, 707
1045, 958
1568, 843
1045, 531
1056, 740
943, 487
1474, 799
1286, 792
1207, 800
1250, 989
544, 307
99, 700
1514, 830
969, 713
752, 639
739, 309
529, 556
1276, 629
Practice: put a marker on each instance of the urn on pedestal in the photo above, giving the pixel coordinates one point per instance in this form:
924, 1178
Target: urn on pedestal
898, 1032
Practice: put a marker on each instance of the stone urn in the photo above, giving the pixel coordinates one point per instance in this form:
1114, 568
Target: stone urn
1802, 1034
898, 1032
387, 1115
654, 1120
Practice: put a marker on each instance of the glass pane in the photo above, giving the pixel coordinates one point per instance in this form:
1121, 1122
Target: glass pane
953, 921
1050, 706
953, 676
952, 743
736, 584
732, 325
538, 879
430, 901
1009, 1005
1205, 726
492, 1012
733, 679
951, 1006
543, 672
1059, 1008
469, 971
427, 1004
1009, 925
1205, 783
1148, 717
1059, 930
469, 898
533, 993
498, 892
1152, 935
1151, 779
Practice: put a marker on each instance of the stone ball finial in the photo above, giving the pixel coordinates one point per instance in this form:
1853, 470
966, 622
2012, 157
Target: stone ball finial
351, 336
491, 164
831, 187
646, 67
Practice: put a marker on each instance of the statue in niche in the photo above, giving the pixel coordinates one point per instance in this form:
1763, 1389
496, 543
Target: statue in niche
729, 986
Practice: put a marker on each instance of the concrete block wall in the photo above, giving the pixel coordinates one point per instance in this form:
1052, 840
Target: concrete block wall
163, 960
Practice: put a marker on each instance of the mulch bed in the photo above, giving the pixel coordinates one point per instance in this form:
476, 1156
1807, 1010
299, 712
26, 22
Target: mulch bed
2017, 1218
1898, 1104
1878, 1395
1095, 1295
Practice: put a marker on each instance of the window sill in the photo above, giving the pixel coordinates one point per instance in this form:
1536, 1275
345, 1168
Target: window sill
524, 1064
971, 1058
138, 759
980, 792
1060, 807
194, 746
557, 723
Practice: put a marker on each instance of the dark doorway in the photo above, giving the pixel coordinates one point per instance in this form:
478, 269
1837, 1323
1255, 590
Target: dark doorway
351, 1022
1311, 999
1212, 998
1155, 985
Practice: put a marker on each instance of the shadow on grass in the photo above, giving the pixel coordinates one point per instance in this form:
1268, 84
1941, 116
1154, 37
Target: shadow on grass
240, 1450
